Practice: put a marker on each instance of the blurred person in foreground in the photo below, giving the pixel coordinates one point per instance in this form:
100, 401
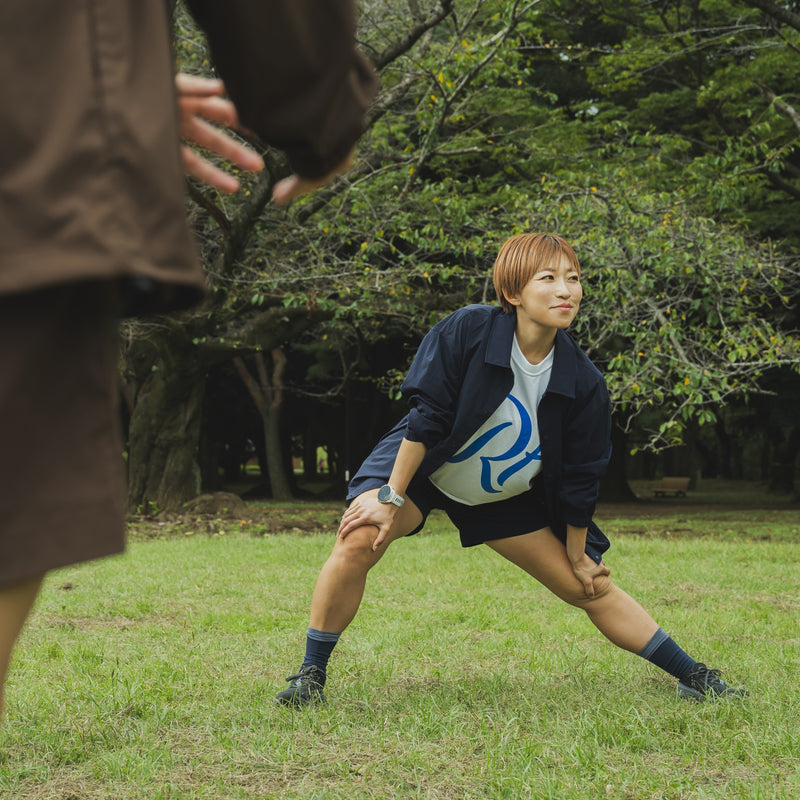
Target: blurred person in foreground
93, 226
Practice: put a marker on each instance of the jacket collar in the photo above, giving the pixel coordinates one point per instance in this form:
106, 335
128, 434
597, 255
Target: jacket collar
501, 335
565, 359
565, 366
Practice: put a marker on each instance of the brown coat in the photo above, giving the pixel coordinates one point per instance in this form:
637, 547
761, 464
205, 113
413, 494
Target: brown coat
91, 184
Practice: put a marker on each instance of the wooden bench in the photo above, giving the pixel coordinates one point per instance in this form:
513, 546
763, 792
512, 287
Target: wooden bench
672, 486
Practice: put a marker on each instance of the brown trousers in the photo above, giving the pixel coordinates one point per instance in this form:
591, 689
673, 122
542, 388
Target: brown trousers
61, 466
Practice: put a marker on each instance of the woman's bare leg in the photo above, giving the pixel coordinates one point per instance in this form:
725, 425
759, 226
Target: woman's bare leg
340, 585
337, 596
616, 614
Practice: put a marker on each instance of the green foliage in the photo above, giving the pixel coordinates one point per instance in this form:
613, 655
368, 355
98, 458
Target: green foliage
700, 72
638, 131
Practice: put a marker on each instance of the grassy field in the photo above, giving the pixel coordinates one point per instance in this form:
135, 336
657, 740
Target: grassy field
152, 675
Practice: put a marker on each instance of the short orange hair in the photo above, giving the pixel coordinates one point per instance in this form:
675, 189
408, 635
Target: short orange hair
521, 257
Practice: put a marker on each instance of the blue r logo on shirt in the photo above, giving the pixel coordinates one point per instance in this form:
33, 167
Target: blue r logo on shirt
516, 449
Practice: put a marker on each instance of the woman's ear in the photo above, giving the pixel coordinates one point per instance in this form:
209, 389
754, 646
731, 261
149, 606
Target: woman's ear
511, 299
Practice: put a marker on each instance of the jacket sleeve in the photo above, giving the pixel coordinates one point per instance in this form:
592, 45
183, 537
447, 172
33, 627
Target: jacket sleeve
586, 453
433, 383
292, 70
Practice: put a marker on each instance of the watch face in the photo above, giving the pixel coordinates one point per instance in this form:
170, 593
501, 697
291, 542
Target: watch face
384, 494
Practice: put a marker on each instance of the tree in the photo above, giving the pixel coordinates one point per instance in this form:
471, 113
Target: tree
240, 318
268, 396
497, 117
696, 75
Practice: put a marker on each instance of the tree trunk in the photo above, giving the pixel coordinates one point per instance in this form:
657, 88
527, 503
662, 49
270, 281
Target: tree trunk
276, 465
268, 398
163, 471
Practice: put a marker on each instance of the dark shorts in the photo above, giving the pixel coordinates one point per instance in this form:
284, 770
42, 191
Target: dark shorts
61, 466
476, 524
516, 516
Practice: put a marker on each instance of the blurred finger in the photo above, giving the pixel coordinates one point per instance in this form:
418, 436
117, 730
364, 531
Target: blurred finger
198, 85
294, 186
215, 109
205, 171
219, 142
287, 190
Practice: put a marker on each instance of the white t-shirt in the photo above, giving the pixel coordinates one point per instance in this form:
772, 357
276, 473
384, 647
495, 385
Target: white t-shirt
501, 459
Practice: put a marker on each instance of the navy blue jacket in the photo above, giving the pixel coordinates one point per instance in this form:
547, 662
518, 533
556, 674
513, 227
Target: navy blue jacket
460, 375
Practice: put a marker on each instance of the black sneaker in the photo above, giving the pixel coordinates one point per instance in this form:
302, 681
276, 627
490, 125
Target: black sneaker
701, 683
305, 688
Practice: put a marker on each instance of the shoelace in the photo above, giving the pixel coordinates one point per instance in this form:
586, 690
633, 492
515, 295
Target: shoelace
707, 678
311, 676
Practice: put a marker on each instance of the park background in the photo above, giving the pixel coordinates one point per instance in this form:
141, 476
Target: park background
661, 139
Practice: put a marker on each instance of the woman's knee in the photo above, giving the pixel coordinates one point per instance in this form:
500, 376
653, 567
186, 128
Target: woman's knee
603, 586
355, 549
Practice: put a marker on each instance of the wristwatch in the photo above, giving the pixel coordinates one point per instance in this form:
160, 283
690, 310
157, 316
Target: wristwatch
388, 495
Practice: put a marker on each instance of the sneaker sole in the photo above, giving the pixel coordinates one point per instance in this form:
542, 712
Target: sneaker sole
687, 693
317, 699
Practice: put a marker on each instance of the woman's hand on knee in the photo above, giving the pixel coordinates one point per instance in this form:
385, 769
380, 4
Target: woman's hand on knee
587, 570
366, 510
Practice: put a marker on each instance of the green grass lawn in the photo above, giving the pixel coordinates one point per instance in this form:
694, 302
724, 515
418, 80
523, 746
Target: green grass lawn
152, 675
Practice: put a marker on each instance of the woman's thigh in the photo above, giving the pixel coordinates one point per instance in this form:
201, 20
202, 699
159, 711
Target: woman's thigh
544, 557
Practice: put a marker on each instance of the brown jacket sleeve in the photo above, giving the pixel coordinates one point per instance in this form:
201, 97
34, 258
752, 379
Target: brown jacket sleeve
292, 70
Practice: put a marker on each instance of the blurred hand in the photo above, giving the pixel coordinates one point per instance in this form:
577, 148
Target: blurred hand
294, 186
201, 99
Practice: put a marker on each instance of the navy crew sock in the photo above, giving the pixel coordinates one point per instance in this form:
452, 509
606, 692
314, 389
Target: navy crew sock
319, 646
664, 653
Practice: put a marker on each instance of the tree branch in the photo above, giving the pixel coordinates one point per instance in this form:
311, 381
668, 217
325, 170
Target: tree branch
241, 226
279, 361
788, 111
210, 207
251, 385
399, 48
784, 186
261, 367
778, 12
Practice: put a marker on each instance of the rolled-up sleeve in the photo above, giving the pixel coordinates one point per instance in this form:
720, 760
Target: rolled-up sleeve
292, 69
